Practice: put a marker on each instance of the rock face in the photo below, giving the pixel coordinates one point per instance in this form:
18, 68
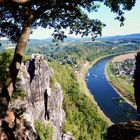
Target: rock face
136, 82
68, 136
124, 131
41, 102
14, 128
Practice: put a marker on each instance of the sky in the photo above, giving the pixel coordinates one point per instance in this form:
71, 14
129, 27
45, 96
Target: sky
131, 24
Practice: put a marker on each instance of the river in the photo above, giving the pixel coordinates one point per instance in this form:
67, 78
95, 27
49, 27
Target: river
109, 101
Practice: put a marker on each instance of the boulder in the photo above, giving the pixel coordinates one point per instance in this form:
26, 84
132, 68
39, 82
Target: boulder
124, 131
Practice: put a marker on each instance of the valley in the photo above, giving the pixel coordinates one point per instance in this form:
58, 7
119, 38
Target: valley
70, 61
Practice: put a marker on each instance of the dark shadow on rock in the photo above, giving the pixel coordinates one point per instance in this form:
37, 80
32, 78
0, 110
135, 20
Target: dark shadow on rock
31, 69
137, 82
46, 106
8, 131
124, 131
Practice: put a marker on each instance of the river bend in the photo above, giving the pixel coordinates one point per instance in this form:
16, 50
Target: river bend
113, 106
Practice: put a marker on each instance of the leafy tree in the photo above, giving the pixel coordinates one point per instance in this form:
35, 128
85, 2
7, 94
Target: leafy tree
5, 60
19, 17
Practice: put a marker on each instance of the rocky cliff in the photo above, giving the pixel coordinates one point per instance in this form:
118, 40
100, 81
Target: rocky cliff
40, 102
137, 82
124, 131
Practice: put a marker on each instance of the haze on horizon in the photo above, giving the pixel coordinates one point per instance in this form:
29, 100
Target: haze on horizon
131, 24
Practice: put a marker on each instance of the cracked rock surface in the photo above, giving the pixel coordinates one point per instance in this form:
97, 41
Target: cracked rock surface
39, 103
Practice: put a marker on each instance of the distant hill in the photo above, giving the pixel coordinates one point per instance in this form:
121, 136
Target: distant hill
118, 38
129, 37
134, 38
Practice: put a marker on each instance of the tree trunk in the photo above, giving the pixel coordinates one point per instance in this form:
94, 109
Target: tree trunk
137, 82
9, 86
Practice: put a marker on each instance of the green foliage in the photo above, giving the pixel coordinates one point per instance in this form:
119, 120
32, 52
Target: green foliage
82, 118
18, 94
58, 15
52, 83
49, 132
25, 57
44, 133
5, 60
74, 53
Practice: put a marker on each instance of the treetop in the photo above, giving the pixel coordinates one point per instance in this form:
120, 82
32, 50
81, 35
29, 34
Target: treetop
56, 14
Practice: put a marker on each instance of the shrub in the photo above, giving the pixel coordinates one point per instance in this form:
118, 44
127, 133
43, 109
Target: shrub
44, 133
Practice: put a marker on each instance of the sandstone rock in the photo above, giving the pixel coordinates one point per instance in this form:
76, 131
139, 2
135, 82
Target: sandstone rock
68, 136
124, 131
41, 103
137, 82
18, 130
10, 118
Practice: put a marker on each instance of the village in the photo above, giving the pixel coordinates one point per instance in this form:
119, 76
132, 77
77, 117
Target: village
124, 68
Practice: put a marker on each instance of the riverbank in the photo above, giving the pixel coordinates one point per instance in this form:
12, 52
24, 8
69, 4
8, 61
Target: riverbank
82, 83
116, 84
83, 87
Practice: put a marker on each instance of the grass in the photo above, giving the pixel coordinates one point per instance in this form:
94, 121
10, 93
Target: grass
128, 87
45, 133
121, 84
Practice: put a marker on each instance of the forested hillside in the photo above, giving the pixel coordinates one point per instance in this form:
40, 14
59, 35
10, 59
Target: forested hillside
82, 118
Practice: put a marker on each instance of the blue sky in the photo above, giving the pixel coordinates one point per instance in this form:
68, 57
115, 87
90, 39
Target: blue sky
131, 24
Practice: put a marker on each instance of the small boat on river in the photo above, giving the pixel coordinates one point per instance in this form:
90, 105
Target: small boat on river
94, 75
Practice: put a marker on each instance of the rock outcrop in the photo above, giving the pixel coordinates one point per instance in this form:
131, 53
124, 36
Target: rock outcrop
137, 82
68, 136
41, 103
124, 131
14, 127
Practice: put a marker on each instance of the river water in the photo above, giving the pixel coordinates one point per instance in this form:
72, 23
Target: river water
113, 106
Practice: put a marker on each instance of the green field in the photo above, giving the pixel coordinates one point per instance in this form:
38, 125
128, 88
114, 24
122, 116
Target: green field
122, 84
